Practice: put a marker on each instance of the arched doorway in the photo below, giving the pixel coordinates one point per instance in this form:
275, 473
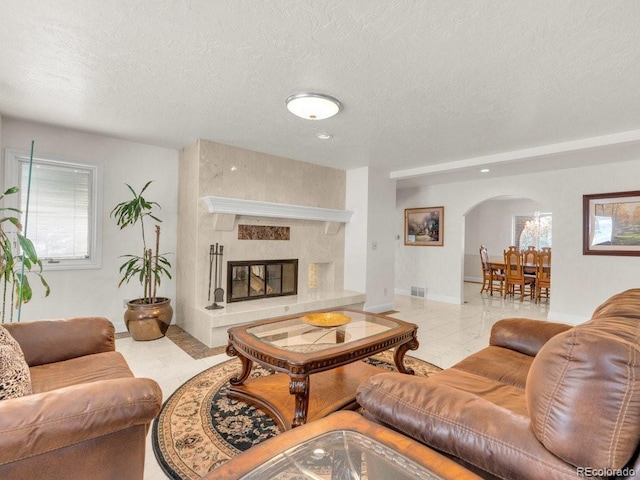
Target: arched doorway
497, 223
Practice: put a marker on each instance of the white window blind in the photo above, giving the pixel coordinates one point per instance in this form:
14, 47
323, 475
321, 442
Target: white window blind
65, 204
59, 216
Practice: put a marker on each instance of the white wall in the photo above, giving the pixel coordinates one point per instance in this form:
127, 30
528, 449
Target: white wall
355, 248
95, 291
381, 244
580, 282
369, 237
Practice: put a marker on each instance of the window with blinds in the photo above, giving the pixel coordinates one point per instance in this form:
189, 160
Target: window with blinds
61, 217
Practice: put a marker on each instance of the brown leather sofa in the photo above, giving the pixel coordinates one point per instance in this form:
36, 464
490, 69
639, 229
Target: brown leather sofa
542, 401
87, 417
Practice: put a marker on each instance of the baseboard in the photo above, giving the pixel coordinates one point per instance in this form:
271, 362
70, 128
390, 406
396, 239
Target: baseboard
430, 296
473, 279
444, 298
120, 327
380, 308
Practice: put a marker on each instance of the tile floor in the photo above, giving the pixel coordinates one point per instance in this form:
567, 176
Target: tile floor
447, 333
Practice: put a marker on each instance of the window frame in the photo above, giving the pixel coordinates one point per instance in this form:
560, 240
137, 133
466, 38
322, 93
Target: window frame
515, 239
13, 159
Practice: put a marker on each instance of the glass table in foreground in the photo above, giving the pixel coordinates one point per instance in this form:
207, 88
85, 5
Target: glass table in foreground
341, 454
342, 446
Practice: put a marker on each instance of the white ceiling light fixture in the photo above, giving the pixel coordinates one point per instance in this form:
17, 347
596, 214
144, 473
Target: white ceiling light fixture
313, 106
324, 136
485, 170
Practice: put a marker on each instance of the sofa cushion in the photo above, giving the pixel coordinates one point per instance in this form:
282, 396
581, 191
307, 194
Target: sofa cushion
583, 391
15, 380
465, 415
503, 365
75, 371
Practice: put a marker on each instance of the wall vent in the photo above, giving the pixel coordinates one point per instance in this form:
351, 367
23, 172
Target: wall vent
418, 292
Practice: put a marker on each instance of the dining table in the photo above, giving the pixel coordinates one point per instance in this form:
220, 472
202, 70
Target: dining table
498, 266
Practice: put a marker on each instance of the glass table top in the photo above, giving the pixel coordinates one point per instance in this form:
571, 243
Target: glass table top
344, 455
305, 333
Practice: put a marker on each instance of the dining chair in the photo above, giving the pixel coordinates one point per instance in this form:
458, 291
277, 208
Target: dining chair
543, 275
489, 275
514, 273
530, 261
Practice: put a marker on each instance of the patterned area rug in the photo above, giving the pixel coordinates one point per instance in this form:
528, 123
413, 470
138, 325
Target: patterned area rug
199, 428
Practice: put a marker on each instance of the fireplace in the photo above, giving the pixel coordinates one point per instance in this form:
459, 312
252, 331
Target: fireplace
253, 279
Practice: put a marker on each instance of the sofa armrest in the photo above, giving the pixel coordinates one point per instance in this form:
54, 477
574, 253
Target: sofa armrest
49, 341
524, 335
44, 422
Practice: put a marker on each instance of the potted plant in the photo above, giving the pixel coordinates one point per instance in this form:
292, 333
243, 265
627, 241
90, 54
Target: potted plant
15, 268
149, 316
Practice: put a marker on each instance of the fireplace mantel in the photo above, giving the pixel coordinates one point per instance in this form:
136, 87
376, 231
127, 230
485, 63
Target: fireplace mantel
225, 209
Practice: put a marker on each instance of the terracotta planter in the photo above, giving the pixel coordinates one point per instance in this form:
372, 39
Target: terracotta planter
148, 321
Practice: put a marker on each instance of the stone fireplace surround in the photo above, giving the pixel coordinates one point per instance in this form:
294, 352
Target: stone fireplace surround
222, 186
321, 295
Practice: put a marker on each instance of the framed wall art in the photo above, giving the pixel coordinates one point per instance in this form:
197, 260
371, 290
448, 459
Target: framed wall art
611, 223
424, 226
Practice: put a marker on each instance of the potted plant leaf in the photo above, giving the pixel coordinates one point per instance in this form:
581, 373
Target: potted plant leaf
149, 316
14, 268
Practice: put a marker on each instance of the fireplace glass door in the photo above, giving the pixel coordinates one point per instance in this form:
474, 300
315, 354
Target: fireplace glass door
249, 280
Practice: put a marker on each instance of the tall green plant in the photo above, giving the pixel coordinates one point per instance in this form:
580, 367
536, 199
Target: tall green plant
151, 266
13, 277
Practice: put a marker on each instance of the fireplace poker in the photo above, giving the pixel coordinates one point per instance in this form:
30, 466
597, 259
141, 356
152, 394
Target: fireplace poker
216, 274
215, 254
211, 257
218, 293
219, 284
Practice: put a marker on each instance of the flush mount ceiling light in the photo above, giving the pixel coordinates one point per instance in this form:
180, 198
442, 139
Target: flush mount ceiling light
324, 136
313, 106
485, 170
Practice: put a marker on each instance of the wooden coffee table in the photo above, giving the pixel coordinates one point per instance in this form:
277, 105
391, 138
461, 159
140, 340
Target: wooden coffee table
319, 366
342, 445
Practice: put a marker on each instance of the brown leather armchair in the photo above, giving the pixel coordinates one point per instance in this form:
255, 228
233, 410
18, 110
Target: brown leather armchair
543, 400
87, 417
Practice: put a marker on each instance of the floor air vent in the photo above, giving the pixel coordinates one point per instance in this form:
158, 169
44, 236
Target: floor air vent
418, 292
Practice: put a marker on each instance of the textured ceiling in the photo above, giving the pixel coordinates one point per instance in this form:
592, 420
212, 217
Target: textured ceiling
422, 83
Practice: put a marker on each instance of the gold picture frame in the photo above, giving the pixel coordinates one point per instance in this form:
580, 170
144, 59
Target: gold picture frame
424, 226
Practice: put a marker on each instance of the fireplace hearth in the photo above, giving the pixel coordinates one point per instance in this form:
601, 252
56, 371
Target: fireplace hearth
254, 279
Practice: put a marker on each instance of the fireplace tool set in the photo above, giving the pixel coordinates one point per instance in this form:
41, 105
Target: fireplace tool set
215, 256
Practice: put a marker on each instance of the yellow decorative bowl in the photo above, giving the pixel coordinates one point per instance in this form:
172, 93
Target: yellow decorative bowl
326, 319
